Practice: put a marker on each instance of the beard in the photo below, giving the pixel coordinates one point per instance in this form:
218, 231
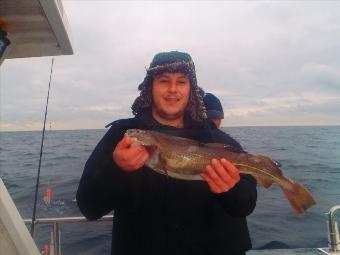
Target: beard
168, 115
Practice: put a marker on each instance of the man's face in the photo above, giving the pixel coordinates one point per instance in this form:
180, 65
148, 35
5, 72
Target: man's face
170, 94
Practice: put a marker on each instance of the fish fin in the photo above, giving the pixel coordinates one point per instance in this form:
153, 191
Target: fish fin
158, 170
269, 163
265, 182
188, 177
299, 197
184, 140
222, 146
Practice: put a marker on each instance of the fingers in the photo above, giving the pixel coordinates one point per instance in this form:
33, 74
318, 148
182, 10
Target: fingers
127, 157
233, 172
221, 175
126, 142
138, 157
212, 185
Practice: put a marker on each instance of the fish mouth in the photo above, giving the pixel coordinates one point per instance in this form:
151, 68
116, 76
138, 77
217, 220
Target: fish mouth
154, 157
152, 149
149, 147
139, 135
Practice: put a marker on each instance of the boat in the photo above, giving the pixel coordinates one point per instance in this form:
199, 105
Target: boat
36, 28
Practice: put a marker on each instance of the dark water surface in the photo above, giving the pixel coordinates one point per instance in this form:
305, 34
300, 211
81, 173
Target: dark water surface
310, 155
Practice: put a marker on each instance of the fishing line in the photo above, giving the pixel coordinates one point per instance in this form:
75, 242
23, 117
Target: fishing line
41, 150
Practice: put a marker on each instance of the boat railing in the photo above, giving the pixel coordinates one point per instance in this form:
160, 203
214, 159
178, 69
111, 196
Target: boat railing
333, 232
55, 244
333, 229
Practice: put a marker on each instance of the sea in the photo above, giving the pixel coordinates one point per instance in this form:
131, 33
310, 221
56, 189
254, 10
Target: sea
309, 154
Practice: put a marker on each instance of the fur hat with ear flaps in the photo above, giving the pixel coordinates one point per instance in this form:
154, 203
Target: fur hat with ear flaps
171, 62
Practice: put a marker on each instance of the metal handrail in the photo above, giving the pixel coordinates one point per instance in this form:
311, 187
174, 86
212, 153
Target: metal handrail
333, 230
66, 220
55, 245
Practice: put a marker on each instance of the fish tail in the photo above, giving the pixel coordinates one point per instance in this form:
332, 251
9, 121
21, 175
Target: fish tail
298, 196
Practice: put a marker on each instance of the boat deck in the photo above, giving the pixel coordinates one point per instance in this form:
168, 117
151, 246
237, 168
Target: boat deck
300, 251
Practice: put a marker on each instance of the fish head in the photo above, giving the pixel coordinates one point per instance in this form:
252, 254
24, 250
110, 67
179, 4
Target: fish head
144, 137
147, 139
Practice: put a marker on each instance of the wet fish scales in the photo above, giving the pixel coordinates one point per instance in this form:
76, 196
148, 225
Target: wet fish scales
185, 159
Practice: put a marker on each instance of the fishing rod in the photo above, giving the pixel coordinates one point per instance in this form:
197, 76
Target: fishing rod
41, 150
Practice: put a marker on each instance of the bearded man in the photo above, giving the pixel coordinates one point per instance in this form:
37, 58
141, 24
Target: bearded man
155, 214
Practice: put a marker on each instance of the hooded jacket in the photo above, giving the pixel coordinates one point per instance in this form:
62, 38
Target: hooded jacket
155, 214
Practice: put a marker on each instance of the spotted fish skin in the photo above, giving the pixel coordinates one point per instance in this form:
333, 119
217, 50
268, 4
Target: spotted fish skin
186, 159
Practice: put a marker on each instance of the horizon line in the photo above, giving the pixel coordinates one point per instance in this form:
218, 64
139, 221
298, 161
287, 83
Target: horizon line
231, 126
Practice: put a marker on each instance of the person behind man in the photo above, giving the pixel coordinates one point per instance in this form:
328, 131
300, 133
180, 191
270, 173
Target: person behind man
214, 109
153, 213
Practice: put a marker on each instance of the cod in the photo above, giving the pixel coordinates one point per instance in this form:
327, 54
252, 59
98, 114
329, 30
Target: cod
186, 159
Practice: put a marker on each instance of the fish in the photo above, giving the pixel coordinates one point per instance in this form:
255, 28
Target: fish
185, 159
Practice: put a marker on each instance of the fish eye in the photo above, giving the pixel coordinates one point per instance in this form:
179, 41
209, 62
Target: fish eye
277, 163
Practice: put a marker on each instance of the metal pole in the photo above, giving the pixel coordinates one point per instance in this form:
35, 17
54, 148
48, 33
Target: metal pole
55, 238
52, 243
333, 230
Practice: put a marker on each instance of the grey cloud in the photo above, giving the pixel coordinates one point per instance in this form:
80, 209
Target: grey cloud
245, 52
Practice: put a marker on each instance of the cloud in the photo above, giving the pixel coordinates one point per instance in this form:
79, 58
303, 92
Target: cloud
269, 62
323, 76
304, 109
274, 104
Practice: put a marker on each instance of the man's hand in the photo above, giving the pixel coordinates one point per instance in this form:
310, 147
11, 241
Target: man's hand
221, 175
129, 158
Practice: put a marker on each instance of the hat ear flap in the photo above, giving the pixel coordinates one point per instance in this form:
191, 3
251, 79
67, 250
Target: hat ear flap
146, 82
144, 100
195, 107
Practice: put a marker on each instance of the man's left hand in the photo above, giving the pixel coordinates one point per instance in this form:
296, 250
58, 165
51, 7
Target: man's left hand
221, 175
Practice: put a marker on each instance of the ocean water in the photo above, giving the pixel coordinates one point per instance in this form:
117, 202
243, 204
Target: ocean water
310, 155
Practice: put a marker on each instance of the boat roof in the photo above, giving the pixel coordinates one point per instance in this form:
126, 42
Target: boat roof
35, 28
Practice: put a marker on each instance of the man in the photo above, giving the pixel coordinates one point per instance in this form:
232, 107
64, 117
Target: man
155, 214
214, 109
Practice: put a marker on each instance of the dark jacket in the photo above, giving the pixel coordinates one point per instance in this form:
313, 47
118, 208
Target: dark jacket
155, 214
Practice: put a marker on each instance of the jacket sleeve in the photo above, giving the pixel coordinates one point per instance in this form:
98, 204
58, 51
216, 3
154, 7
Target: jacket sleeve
239, 201
103, 185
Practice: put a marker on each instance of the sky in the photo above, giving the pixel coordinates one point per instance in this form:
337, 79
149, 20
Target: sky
270, 62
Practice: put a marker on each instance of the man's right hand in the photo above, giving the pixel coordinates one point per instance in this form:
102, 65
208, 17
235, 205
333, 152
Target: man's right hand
130, 158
